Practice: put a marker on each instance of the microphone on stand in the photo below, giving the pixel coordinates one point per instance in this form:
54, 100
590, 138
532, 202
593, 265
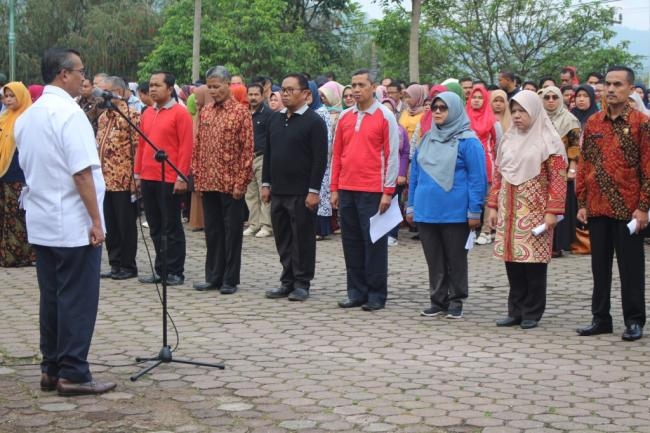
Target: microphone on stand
105, 94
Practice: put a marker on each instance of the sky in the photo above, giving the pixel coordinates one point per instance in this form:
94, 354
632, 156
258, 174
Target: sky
635, 13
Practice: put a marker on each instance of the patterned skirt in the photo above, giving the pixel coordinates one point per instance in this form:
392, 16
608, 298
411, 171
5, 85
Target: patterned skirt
14, 248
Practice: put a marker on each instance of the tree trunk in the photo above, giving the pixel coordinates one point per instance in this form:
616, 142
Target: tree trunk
196, 42
414, 41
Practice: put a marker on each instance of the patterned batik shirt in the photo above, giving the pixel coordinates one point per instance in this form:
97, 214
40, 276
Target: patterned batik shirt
117, 143
222, 158
614, 174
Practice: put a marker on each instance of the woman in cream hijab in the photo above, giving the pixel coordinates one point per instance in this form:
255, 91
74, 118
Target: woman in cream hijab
528, 190
14, 249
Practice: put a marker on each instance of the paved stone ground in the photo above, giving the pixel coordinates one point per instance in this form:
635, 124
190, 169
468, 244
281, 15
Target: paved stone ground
312, 367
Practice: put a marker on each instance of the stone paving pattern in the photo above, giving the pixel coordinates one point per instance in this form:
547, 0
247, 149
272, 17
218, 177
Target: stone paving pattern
313, 367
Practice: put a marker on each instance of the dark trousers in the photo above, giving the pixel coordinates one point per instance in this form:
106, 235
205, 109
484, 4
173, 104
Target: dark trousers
607, 236
153, 209
444, 250
68, 279
527, 295
121, 230
293, 228
223, 226
366, 263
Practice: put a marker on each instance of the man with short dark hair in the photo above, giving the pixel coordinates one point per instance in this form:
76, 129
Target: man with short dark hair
259, 213
169, 126
365, 162
593, 78
613, 187
116, 142
394, 91
295, 158
143, 95
222, 162
568, 76
466, 83
507, 83
64, 190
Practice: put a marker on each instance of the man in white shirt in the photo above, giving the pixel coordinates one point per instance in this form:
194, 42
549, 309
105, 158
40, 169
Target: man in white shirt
62, 200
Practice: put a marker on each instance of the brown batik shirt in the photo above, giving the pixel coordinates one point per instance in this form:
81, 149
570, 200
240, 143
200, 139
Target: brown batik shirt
117, 144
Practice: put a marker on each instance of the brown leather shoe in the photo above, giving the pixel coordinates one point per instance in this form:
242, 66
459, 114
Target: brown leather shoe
48, 383
67, 388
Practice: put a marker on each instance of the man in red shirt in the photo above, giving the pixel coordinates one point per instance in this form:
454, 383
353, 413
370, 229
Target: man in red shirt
613, 187
169, 126
222, 164
365, 162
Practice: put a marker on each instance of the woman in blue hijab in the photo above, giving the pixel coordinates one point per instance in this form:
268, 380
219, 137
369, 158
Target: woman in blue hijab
447, 188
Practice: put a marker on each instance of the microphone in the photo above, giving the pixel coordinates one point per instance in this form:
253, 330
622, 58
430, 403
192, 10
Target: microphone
105, 94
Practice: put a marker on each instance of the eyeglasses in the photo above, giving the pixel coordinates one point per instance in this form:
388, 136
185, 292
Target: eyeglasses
289, 90
440, 108
550, 97
82, 71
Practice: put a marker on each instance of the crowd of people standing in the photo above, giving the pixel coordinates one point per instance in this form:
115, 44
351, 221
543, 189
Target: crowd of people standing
520, 165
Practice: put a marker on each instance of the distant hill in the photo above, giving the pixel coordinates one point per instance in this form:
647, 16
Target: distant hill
639, 42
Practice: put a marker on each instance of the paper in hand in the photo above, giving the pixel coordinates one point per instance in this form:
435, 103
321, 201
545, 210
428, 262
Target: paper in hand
470, 240
542, 227
632, 226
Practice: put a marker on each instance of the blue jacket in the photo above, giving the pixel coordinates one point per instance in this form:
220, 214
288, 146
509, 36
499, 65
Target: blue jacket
431, 204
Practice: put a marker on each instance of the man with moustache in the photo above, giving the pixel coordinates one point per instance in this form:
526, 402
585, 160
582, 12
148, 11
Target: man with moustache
294, 164
169, 126
259, 213
222, 162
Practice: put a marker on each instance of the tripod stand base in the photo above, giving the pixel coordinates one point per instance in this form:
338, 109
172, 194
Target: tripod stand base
165, 356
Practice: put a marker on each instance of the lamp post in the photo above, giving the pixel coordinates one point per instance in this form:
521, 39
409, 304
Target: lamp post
12, 41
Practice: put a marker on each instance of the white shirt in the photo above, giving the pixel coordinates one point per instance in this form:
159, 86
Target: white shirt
55, 140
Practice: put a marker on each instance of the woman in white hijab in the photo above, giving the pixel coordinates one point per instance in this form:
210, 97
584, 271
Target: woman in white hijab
528, 190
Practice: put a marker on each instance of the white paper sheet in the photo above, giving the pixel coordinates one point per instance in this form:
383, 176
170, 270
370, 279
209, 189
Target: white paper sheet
632, 226
470, 240
380, 224
542, 227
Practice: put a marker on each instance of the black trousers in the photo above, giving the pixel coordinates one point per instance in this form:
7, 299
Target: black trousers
120, 215
527, 295
68, 279
608, 235
444, 250
293, 228
223, 227
153, 209
366, 263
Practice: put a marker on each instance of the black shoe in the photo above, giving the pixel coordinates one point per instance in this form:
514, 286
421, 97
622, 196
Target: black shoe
202, 287
595, 328
371, 306
124, 274
632, 332
528, 324
175, 280
227, 290
350, 303
299, 294
509, 321
280, 292
150, 279
432, 311
109, 274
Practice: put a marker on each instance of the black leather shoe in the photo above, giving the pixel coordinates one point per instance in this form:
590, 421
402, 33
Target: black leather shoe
68, 389
509, 321
150, 279
371, 306
124, 274
528, 324
632, 332
109, 274
227, 290
48, 383
299, 294
596, 328
175, 280
202, 287
350, 303
280, 292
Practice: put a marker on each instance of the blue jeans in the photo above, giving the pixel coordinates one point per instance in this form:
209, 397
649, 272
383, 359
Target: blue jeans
366, 263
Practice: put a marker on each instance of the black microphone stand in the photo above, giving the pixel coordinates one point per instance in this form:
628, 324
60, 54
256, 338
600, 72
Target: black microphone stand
165, 353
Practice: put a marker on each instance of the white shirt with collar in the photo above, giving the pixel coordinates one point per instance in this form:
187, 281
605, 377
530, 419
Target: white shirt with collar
55, 140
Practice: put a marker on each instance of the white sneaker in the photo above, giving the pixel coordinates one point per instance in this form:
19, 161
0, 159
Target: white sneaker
264, 233
145, 225
249, 231
392, 241
484, 239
